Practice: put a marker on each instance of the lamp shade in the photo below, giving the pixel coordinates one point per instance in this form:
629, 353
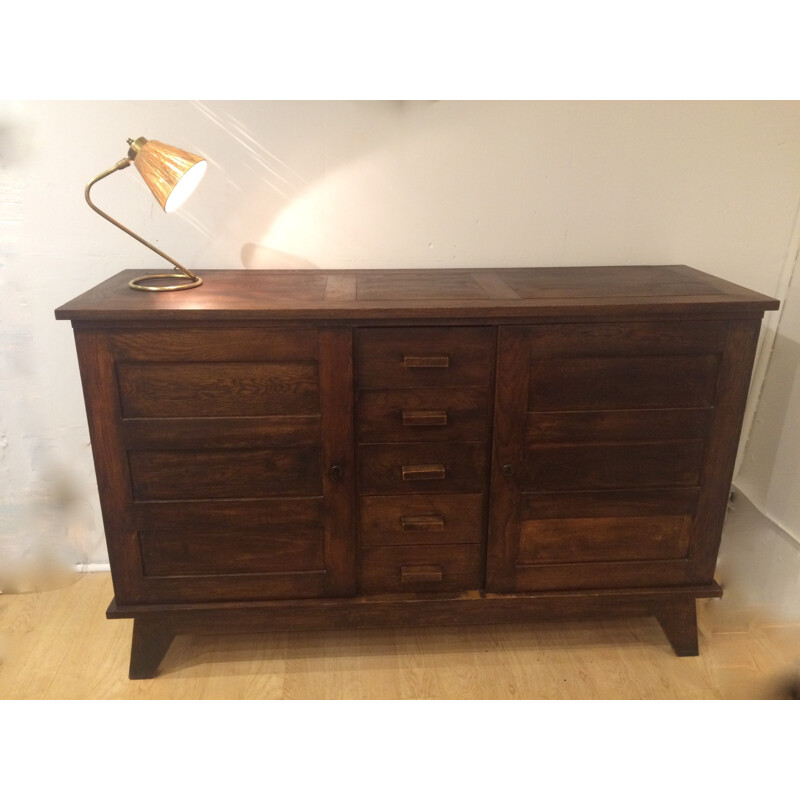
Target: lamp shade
172, 174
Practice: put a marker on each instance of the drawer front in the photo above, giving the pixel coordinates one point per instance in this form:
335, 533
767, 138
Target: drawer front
423, 415
424, 357
443, 568
421, 519
440, 468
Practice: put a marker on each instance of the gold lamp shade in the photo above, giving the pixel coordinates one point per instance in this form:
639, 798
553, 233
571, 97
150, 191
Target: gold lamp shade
170, 173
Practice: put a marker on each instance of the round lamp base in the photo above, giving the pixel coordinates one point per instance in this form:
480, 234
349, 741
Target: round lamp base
186, 282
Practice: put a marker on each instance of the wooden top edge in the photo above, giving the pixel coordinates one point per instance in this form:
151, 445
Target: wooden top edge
511, 292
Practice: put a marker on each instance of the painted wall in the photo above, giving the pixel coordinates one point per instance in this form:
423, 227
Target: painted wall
370, 184
770, 470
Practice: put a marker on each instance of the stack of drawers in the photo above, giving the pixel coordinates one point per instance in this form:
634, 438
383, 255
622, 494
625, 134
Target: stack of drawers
423, 423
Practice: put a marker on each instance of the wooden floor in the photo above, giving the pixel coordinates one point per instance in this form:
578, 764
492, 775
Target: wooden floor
58, 645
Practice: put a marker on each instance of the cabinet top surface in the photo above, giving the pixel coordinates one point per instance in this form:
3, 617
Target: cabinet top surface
425, 294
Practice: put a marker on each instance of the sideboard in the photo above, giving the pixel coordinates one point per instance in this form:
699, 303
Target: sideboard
286, 450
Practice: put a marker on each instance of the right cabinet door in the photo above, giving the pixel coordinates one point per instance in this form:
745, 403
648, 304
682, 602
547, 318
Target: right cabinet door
614, 445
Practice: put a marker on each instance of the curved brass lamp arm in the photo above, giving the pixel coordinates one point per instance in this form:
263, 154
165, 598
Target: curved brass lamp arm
120, 165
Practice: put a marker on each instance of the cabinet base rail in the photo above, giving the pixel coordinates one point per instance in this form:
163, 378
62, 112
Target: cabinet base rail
155, 626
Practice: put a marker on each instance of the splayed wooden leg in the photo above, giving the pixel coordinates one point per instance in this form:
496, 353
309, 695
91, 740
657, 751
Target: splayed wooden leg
679, 622
149, 645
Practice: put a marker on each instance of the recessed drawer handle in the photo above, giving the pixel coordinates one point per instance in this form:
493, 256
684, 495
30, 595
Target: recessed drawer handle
423, 472
423, 362
422, 523
420, 574
424, 418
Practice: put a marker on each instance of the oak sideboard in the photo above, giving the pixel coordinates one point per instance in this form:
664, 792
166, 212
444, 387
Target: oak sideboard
287, 450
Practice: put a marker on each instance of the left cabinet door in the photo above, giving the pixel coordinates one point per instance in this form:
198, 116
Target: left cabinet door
224, 460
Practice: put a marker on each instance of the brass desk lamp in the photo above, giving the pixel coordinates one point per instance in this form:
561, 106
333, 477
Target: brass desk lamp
172, 175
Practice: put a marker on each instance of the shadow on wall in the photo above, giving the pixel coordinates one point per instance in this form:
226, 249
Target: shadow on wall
769, 471
16, 134
257, 257
758, 569
46, 533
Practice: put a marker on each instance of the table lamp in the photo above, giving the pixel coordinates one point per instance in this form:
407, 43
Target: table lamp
172, 175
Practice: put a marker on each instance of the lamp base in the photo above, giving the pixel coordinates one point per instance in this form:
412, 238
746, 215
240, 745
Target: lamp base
187, 282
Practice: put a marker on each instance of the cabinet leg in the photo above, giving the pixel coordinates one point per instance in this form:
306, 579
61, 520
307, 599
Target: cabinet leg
679, 622
149, 645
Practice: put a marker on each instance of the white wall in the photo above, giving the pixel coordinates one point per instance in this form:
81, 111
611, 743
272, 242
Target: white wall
770, 471
370, 184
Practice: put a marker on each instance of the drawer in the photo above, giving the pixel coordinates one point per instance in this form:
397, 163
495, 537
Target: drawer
439, 468
422, 357
423, 415
421, 519
442, 568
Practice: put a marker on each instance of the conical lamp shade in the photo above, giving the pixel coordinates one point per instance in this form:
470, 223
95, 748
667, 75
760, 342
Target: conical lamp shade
172, 174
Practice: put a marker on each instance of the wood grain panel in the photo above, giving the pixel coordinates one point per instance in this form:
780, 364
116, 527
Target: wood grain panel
609, 503
734, 380
599, 282
380, 415
448, 568
273, 548
603, 539
200, 433
218, 474
382, 352
248, 389
602, 575
399, 285
397, 520
209, 589
381, 468
629, 465
626, 337
619, 425
212, 515
111, 467
338, 459
189, 344
570, 384
508, 453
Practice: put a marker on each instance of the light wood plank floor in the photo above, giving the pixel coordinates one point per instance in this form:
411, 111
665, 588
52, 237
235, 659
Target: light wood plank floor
58, 645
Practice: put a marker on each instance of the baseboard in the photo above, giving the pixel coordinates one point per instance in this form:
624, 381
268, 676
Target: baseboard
92, 568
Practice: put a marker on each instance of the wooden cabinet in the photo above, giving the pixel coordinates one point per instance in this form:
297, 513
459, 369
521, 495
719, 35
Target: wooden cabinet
289, 450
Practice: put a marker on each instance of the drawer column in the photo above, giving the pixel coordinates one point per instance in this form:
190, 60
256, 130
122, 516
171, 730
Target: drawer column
422, 429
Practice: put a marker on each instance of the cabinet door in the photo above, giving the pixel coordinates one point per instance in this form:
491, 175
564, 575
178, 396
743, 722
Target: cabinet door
224, 460
614, 449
